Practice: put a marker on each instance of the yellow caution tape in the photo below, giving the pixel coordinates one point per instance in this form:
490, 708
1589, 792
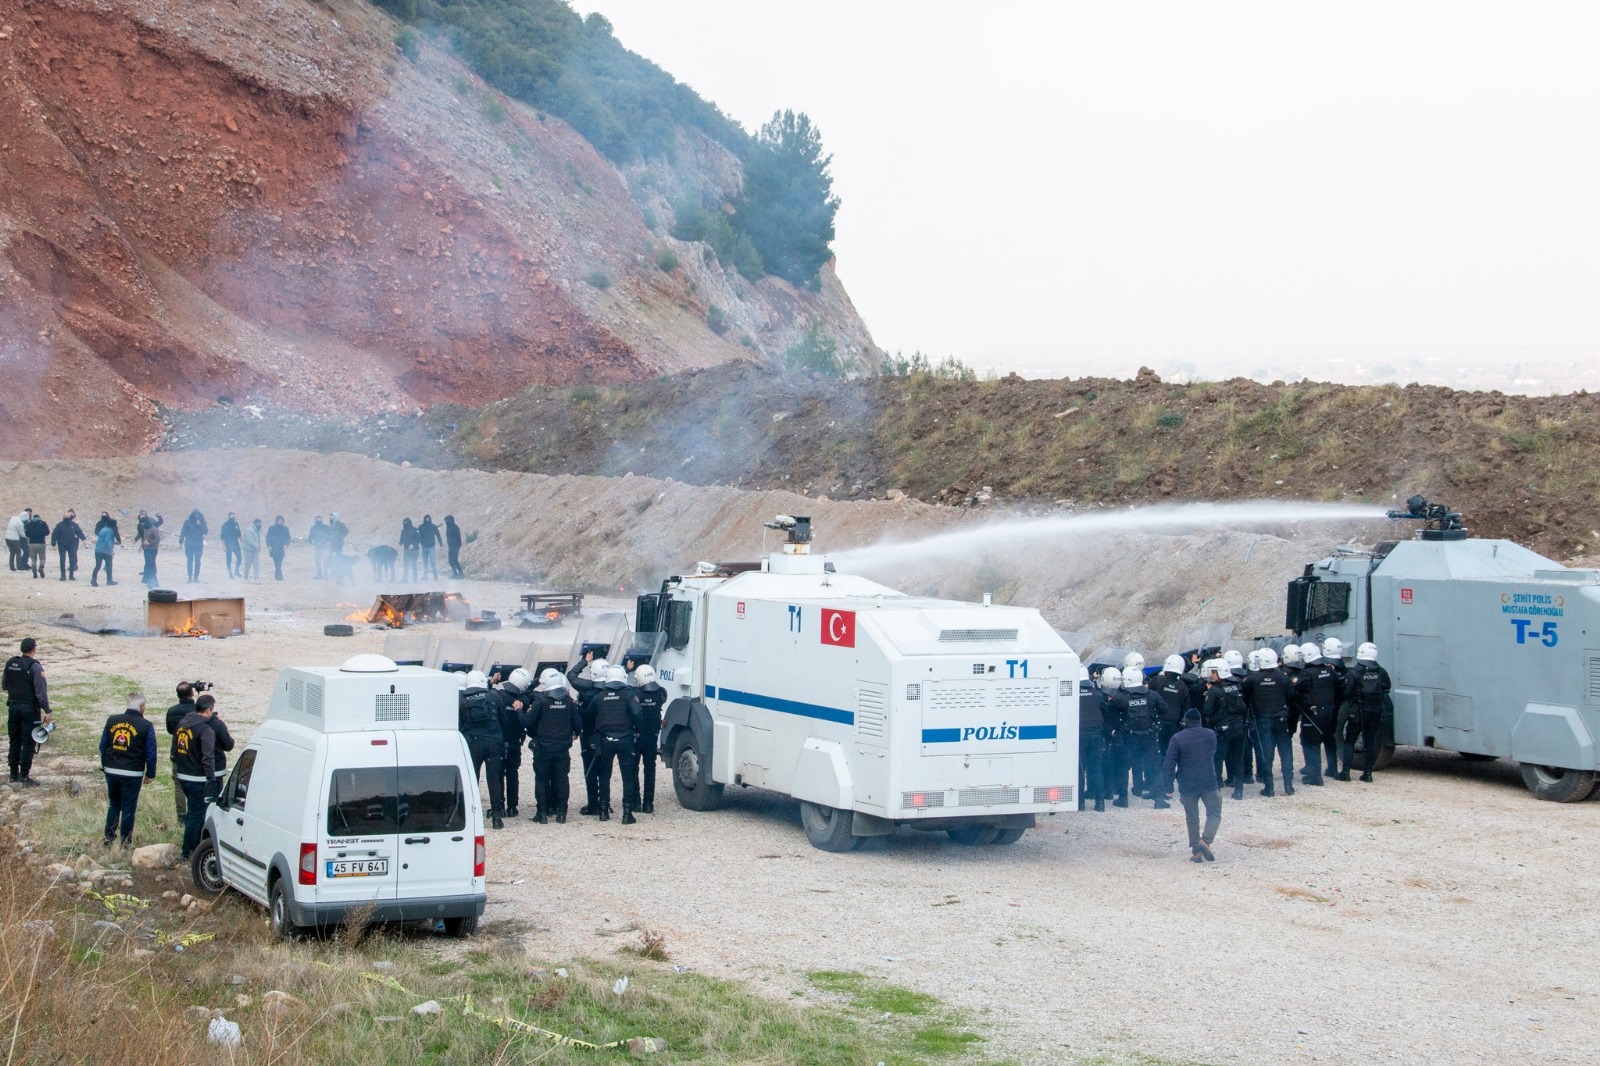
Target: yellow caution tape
503, 1021
119, 904
187, 940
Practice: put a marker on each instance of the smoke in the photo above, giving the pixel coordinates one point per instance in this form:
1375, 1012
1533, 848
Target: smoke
1172, 518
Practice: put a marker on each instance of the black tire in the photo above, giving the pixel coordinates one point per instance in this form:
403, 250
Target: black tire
1477, 756
691, 776
283, 927
461, 927
1004, 837
339, 629
206, 870
162, 596
972, 836
478, 625
1384, 757
1556, 784
828, 828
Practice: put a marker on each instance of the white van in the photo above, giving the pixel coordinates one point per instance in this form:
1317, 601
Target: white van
357, 792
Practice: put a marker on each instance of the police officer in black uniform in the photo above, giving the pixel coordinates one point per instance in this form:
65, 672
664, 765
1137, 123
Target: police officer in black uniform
553, 723
1114, 755
1269, 691
1091, 747
128, 759
480, 724
1174, 691
1366, 686
617, 720
586, 678
1142, 711
27, 705
511, 704
1319, 704
1224, 713
652, 702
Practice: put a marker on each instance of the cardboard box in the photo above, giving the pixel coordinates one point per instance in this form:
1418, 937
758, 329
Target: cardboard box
216, 618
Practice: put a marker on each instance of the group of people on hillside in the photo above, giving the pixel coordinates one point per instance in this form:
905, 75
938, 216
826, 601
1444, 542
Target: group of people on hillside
29, 536
1223, 722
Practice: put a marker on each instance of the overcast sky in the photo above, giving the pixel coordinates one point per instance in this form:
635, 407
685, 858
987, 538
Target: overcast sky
1069, 188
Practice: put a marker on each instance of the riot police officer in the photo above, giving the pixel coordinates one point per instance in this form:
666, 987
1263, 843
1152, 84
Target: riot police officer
1174, 690
1319, 703
511, 705
587, 678
1091, 748
1268, 691
1114, 754
1142, 711
652, 701
1224, 714
617, 720
480, 724
1366, 687
553, 722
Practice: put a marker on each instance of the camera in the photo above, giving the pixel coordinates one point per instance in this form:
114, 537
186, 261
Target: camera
202, 686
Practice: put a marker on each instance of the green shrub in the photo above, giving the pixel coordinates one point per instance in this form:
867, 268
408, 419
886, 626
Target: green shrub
717, 320
651, 223
918, 365
1170, 420
494, 179
492, 109
599, 279
815, 351
406, 41
666, 259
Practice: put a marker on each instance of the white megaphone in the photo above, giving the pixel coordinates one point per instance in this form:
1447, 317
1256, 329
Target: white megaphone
42, 731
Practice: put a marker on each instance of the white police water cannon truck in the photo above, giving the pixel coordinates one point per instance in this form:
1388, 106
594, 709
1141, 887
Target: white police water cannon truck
872, 708
1493, 650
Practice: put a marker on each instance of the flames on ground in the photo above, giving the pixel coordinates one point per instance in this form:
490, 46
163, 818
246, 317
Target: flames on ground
400, 609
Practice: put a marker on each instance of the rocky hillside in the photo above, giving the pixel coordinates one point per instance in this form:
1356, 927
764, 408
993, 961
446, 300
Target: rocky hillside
270, 203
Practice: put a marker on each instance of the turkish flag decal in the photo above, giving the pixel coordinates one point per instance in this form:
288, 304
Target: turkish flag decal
839, 627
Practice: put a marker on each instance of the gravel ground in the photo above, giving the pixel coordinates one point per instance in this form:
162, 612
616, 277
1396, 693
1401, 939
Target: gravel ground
1435, 914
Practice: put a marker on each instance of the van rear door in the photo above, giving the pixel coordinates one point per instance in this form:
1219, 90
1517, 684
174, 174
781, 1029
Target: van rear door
358, 856
438, 816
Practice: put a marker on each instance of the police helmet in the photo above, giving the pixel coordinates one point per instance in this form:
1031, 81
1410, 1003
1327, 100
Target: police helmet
1173, 665
1215, 666
644, 676
1291, 655
598, 669
1253, 660
1267, 658
552, 681
1234, 659
1310, 653
616, 675
1333, 648
520, 679
1132, 679
1133, 661
1110, 679
1367, 653
461, 680
475, 679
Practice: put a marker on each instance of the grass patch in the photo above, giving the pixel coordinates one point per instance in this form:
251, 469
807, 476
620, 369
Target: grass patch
935, 1033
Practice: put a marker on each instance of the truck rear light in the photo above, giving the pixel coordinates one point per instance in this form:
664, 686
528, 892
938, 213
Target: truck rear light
479, 855
308, 864
1054, 794
919, 801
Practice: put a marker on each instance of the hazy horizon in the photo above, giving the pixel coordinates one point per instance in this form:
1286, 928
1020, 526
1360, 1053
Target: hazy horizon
1357, 193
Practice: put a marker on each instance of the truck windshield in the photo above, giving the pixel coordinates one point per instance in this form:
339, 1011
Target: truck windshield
382, 800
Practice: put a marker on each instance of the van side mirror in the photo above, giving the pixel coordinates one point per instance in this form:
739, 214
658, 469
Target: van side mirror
222, 799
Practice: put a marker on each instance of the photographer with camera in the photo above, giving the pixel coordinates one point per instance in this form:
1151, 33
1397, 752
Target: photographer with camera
194, 767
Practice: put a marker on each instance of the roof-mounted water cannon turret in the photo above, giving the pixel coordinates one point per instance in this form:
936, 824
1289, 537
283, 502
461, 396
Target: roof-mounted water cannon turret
1442, 523
797, 530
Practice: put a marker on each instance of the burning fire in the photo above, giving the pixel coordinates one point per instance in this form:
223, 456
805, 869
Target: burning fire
188, 629
552, 616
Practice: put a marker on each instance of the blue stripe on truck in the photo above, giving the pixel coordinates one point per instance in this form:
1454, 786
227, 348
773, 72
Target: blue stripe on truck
1024, 732
772, 703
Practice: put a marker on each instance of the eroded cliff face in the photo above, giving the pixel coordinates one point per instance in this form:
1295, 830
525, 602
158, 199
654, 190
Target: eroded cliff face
265, 201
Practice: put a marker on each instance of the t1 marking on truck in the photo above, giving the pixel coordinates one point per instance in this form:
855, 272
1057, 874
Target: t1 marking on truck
838, 628
795, 619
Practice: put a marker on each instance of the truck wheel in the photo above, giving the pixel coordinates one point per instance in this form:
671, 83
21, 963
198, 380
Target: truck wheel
461, 927
1384, 757
283, 926
691, 776
206, 869
1558, 785
828, 828
1007, 836
971, 836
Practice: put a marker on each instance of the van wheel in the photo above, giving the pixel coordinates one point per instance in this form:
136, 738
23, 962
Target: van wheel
206, 868
974, 835
1558, 785
691, 776
828, 828
283, 926
1384, 757
1007, 836
461, 927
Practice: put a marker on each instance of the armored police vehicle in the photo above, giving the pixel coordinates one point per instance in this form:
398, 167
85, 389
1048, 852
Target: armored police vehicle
357, 794
872, 708
1493, 650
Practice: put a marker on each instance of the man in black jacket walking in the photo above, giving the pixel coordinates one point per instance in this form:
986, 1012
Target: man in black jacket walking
66, 537
128, 759
193, 538
230, 534
277, 538
1192, 757
38, 534
452, 540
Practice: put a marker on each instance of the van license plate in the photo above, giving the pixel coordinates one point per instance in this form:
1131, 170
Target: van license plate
358, 867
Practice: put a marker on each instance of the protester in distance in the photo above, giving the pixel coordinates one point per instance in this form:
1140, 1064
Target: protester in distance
429, 539
175, 716
452, 540
250, 551
1366, 688
148, 534
194, 766
480, 724
318, 538
38, 533
1268, 691
105, 546
65, 538
337, 532
231, 536
128, 759
1192, 761
27, 706
277, 541
647, 743
193, 538
17, 540
410, 545
553, 723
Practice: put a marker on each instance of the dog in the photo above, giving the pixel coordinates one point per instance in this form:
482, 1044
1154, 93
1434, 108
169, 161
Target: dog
382, 558
341, 568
